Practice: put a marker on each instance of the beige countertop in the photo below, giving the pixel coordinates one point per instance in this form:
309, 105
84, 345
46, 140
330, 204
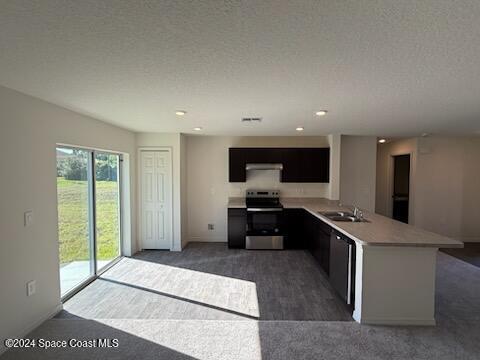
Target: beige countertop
379, 231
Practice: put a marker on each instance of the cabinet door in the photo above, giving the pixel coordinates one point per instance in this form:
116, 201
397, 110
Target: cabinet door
292, 167
309, 231
304, 165
294, 228
324, 244
312, 228
315, 163
237, 227
263, 155
236, 165
318, 238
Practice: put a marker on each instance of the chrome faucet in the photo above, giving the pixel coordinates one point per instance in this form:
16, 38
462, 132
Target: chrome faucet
355, 210
357, 213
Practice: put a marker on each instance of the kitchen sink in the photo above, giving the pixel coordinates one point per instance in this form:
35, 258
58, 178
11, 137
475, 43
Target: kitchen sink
344, 216
335, 213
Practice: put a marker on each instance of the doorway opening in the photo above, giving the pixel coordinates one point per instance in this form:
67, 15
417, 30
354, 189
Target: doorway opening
89, 215
401, 187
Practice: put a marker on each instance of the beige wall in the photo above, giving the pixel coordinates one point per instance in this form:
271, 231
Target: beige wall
208, 188
358, 162
334, 141
29, 130
175, 143
183, 190
447, 188
444, 184
384, 183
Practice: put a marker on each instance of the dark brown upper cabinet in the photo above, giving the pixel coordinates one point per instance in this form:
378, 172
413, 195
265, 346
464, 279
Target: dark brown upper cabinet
300, 165
236, 165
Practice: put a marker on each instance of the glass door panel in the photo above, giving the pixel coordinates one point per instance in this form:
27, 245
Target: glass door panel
74, 217
107, 208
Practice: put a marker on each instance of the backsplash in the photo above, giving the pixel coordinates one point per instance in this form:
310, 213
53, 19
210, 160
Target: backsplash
270, 179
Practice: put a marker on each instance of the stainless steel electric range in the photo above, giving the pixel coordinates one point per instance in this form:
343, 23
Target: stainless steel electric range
264, 220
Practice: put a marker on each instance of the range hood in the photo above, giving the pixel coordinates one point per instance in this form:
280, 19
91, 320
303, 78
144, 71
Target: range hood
264, 166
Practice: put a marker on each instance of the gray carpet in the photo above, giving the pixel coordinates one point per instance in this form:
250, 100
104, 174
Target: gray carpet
457, 335
207, 281
469, 253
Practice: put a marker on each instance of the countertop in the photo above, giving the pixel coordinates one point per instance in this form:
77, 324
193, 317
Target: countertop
379, 231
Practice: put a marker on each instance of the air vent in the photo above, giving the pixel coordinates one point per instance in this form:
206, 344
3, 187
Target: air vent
251, 119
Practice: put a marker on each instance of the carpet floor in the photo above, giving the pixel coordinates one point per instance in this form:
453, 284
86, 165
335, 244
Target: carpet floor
469, 253
456, 336
208, 281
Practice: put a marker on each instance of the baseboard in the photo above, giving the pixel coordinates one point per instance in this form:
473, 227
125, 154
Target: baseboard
30, 327
209, 239
396, 321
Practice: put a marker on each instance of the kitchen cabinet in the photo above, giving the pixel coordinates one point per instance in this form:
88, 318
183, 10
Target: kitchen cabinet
342, 266
300, 165
294, 228
236, 166
302, 230
304, 165
317, 236
237, 228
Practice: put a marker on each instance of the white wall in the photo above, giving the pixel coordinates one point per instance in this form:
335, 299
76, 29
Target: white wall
208, 188
444, 184
29, 130
358, 171
173, 141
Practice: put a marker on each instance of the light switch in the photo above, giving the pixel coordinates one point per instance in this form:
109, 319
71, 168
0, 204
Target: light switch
31, 287
28, 218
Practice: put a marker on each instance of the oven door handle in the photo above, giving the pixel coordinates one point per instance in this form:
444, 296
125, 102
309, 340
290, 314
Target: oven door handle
264, 209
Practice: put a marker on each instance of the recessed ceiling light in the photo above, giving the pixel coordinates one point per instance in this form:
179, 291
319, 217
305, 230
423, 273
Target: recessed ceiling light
198, 128
180, 112
382, 141
300, 128
321, 112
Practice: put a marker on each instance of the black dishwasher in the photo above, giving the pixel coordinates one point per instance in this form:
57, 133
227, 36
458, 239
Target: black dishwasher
342, 266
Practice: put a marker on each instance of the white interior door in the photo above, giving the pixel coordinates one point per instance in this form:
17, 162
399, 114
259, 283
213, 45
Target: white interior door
156, 199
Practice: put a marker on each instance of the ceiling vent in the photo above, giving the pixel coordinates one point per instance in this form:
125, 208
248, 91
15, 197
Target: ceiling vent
251, 119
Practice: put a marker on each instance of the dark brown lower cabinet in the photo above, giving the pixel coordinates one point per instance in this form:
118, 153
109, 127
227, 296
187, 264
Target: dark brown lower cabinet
317, 235
237, 228
294, 229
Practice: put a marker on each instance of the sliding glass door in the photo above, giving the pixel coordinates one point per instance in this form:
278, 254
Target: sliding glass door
107, 207
74, 191
88, 195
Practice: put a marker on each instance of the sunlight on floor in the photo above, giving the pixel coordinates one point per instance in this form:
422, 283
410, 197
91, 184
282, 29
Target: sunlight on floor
195, 340
236, 295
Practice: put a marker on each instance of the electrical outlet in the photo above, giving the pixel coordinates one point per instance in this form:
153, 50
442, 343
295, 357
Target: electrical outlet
31, 287
211, 227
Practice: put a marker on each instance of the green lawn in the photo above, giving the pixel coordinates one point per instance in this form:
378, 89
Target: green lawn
73, 220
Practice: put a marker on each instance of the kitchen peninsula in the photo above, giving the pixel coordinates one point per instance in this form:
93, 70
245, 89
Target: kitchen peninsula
394, 264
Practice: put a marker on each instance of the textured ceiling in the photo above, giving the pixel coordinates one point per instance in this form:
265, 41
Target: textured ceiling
390, 68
